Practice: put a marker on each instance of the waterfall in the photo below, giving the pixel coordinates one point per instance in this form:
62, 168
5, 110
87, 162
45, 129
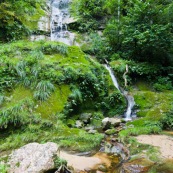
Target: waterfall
60, 17
114, 80
129, 98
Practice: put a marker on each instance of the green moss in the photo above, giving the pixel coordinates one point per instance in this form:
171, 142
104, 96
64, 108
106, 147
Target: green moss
142, 86
55, 103
18, 94
153, 104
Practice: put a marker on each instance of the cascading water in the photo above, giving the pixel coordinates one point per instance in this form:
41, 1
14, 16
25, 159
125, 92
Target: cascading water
114, 80
131, 104
60, 17
129, 98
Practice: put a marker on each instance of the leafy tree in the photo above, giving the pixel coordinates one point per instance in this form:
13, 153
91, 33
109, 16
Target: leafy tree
18, 17
141, 33
88, 13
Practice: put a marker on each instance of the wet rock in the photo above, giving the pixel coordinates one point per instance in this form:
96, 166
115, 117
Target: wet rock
117, 148
85, 117
92, 131
141, 165
89, 128
79, 124
33, 157
108, 122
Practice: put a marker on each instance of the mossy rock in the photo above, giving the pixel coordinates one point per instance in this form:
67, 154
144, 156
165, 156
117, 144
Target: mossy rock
110, 131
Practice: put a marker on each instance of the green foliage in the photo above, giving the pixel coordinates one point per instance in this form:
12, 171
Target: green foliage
147, 128
17, 114
43, 90
59, 162
96, 45
3, 168
16, 18
2, 98
167, 120
163, 83
49, 48
87, 13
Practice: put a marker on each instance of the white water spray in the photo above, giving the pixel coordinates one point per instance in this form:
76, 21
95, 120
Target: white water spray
60, 17
114, 80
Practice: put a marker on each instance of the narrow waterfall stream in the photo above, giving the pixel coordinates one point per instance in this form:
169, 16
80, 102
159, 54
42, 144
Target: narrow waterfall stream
129, 98
60, 17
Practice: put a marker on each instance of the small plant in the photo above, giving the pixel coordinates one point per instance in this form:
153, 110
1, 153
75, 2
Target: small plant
167, 120
38, 54
20, 68
3, 168
43, 90
59, 162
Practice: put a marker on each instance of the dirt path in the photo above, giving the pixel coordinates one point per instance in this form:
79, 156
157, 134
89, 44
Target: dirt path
165, 143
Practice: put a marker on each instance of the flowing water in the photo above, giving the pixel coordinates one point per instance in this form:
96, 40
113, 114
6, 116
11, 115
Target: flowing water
129, 98
60, 17
56, 22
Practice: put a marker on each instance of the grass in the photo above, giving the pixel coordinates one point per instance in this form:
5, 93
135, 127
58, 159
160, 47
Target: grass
55, 103
67, 138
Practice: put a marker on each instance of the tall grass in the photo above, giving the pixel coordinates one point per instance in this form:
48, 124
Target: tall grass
43, 90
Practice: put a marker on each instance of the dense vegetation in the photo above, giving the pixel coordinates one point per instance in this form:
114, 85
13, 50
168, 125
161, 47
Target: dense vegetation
45, 87
74, 84
19, 18
140, 34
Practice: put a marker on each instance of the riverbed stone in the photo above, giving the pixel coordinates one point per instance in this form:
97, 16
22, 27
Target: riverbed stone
118, 149
85, 117
137, 166
33, 157
79, 124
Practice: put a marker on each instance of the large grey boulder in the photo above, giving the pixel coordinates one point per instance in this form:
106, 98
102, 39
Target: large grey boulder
33, 158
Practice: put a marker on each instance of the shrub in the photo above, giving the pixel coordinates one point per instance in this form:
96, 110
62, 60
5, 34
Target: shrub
163, 83
167, 120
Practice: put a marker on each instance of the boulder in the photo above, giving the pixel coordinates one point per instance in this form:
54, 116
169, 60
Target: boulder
33, 157
108, 122
79, 124
85, 117
117, 148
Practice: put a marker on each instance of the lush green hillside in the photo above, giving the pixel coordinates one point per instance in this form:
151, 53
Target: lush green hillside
43, 84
